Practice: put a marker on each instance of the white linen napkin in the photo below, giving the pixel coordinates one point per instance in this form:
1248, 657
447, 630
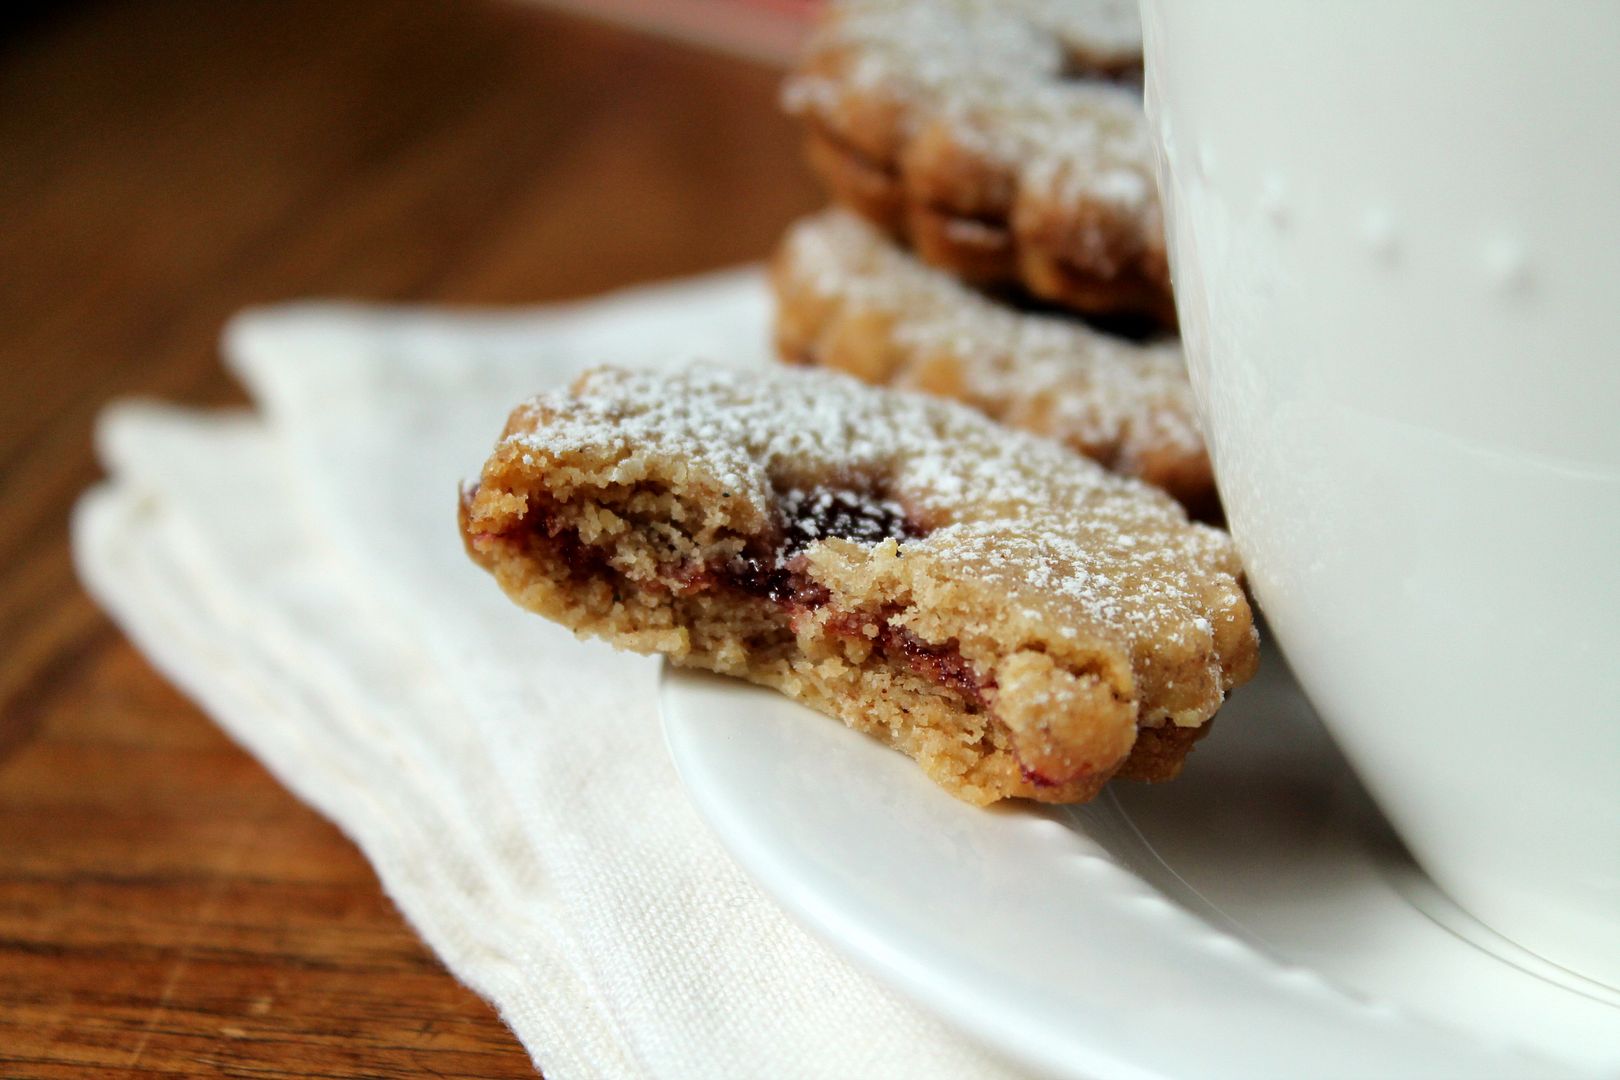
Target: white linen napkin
299, 572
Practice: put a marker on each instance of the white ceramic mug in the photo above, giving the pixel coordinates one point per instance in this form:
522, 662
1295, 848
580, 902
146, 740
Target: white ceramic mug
1395, 234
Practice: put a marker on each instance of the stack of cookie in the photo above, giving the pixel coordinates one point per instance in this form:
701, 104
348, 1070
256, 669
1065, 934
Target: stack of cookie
1000, 240
1021, 620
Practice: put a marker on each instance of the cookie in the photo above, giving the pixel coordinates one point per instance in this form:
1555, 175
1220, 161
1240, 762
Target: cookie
1013, 616
849, 298
1004, 139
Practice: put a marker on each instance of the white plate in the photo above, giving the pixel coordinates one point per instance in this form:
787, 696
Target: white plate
1254, 918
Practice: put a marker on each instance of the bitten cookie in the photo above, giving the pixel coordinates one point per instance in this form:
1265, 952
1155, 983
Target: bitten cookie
1012, 616
1005, 139
848, 298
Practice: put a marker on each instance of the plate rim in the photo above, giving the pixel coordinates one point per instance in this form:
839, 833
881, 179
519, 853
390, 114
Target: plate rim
1020, 1041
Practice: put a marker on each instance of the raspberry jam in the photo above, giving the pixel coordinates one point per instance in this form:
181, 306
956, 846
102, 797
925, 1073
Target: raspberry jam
777, 574
846, 513
942, 664
808, 516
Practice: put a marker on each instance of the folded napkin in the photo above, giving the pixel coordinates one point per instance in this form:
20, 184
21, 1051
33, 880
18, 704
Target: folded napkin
299, 572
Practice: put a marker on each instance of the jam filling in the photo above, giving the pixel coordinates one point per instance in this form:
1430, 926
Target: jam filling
1039, 780
777, 575
944, 665
863, 516
807, 516
848, 513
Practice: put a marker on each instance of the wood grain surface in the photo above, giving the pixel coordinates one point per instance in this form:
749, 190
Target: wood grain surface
165, 907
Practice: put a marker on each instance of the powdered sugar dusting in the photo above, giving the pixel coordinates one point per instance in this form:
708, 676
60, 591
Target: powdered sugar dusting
1110, 397
1058, 533
999, 72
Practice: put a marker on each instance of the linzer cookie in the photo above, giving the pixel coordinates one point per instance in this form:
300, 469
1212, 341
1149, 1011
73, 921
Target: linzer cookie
848, 298
1004, 138
1011, 615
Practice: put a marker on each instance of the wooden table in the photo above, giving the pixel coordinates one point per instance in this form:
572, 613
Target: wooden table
165, 907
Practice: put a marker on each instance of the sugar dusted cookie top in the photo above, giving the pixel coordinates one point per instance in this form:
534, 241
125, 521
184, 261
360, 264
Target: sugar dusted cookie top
1008, 76
849, 298
1024, 542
